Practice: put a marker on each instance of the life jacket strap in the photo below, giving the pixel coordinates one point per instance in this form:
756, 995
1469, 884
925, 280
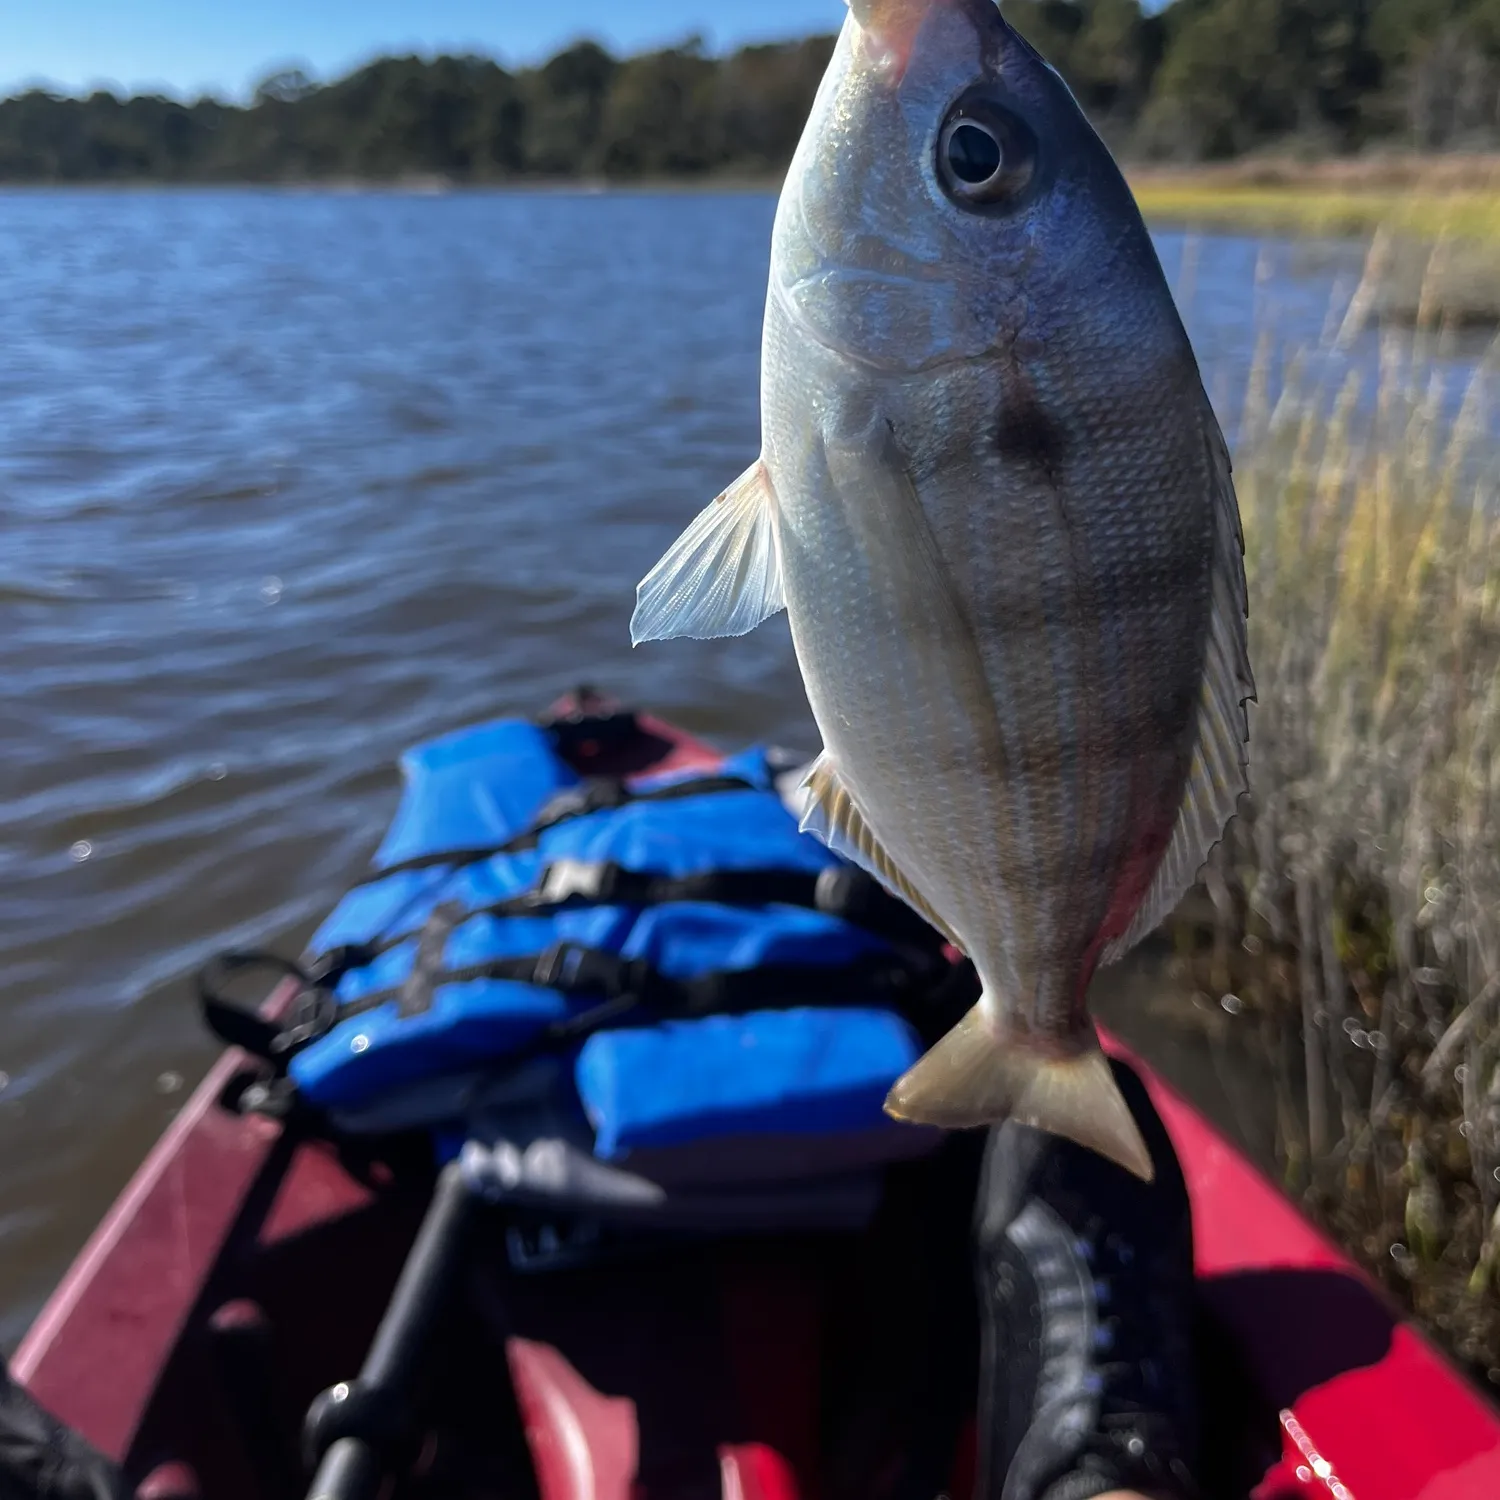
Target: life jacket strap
600, 794
837, 891
594, 973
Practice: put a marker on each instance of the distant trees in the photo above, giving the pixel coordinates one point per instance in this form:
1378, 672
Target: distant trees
1198, 79
564, 105
660, 118
1108, 50
1447, 58
101, 138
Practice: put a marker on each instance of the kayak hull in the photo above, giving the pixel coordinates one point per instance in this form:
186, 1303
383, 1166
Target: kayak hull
245, 1269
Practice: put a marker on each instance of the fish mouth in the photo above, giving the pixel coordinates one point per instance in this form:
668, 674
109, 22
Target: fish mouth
890, 27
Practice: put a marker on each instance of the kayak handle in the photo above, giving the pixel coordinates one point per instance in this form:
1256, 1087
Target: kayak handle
232, 1023
314, 1012
359, 1431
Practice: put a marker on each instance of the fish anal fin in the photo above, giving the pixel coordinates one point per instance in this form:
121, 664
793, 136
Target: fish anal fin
722, 576
976, 1076
1218, 773
832, 814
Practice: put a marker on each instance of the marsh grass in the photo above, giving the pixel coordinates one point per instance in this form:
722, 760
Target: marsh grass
1354, 918
1423, 198
1311, 209
1435, 222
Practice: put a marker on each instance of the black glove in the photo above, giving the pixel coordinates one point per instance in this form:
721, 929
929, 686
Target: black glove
40, 1459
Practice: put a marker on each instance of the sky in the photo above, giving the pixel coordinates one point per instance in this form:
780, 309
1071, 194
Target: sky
187, 47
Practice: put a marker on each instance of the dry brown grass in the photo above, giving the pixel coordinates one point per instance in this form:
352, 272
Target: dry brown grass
1390, 172
1355, 913
1421, 197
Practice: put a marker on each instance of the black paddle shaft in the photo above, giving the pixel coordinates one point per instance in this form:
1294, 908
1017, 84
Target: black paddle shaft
354, 1429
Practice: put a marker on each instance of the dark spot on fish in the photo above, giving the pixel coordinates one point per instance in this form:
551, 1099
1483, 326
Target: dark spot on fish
1177, 711
1028, 436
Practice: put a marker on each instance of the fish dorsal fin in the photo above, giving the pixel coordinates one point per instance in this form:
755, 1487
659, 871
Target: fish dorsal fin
722, 576
1219, 772
831, 814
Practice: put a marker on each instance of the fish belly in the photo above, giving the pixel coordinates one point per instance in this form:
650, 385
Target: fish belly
1006, 681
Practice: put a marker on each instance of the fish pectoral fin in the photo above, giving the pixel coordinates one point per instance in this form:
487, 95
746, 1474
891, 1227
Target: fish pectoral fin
722, 576
974, 1076
1219, 772
832, 815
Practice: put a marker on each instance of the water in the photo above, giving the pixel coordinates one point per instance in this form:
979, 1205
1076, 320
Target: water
288, 482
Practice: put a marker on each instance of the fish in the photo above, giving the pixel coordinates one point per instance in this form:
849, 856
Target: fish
996, 505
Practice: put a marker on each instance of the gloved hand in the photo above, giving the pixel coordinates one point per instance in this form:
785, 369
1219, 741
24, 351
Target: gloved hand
40, 1459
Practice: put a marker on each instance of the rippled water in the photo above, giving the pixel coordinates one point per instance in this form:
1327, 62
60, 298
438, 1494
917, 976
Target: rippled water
288, 482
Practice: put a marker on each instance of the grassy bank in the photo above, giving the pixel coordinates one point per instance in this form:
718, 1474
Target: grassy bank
1353, 924
1423, 197
1433, 223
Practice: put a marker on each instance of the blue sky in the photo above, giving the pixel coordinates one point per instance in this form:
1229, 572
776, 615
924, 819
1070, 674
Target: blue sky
188, 46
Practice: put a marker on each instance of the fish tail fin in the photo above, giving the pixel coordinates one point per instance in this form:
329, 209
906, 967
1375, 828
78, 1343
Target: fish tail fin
974, 1076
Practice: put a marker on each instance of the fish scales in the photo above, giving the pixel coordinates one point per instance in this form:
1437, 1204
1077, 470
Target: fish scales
997, 508
1068, 725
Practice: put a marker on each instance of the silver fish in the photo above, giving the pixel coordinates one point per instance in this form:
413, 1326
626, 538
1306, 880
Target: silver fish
997, 507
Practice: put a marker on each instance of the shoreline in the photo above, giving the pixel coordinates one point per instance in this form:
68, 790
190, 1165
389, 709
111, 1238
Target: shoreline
421, 187
1421, 197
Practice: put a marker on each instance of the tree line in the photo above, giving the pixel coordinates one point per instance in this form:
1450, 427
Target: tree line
1198, 80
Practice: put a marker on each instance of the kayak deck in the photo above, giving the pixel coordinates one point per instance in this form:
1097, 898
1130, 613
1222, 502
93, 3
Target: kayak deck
246, 1269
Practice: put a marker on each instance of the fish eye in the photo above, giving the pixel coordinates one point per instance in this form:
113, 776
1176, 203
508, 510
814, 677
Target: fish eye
974, 155
986, 155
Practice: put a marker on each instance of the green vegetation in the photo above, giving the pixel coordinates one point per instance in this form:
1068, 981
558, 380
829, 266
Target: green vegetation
1351, 926
1209, 200
673, 114
1199, 80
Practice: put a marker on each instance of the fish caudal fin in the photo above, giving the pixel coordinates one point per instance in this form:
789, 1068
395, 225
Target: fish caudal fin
722, 576
974, 1077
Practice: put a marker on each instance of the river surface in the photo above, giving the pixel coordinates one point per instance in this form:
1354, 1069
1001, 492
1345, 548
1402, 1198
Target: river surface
290, 481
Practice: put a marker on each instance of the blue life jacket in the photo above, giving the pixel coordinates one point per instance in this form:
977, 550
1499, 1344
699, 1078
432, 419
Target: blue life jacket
686, 963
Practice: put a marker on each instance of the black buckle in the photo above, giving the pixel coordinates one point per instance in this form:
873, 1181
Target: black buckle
855, 896
315, 1013
328, 968
601, 794
845, 892
576, 970
233, 1023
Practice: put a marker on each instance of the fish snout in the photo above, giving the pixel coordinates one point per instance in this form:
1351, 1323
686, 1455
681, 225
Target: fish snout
890, 28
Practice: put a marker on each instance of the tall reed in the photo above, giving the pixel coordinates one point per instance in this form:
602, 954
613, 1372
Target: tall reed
1355, 915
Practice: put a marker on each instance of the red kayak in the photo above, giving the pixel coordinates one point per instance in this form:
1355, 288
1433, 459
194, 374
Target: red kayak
209, 1335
